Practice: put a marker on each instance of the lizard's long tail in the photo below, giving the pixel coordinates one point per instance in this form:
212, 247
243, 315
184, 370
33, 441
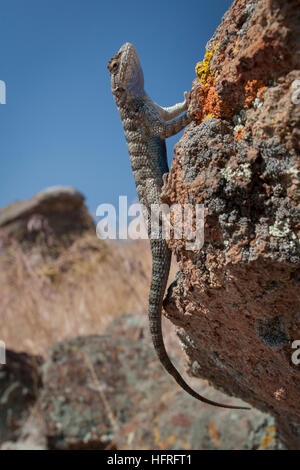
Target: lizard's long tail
161, 259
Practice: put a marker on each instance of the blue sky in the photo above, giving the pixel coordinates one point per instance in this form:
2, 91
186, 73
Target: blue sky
60, 125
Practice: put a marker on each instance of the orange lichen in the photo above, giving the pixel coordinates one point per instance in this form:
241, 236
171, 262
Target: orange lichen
210, 104
213, 433
240, 133
253, 89
163, 444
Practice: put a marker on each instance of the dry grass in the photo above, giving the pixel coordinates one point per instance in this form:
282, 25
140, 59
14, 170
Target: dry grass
44, 300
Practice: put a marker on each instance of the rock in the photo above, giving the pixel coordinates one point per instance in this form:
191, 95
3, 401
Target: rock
237, 298
20, 446
89, 383
110, 392
20, 382
31, 435
57, 214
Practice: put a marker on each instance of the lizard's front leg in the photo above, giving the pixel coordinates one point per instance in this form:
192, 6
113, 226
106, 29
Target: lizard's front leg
167, 129
171, 112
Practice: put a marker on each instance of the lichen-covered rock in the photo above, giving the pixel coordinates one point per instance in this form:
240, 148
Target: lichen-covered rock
20, 381
237, 299
110, 392
92, 386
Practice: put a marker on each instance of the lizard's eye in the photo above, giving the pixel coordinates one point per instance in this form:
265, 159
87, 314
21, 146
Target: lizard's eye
115, 67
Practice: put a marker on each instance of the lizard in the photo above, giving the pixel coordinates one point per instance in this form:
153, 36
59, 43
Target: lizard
146, 126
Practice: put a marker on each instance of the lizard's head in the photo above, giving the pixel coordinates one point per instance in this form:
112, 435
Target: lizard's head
126, 74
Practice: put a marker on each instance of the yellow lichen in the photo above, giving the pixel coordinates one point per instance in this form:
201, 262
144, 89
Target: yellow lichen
268, 439
186, 445
156, 435
209, 103
170, 440
163, 444
202, 69
209, 116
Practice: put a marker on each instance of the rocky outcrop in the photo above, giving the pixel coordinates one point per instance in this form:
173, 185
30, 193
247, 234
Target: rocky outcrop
237, 299
55, 215
110, 392
20, 382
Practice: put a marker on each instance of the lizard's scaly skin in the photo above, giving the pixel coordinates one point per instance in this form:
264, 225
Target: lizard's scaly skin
145, 128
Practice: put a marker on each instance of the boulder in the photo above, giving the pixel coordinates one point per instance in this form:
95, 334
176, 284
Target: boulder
56, 214
20, 382
236, 299
110, 392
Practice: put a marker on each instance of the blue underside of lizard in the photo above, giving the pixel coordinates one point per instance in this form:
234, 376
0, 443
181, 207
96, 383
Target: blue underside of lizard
161, 151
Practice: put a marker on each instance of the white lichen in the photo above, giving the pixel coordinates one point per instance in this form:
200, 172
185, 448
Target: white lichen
240, 118
244, 170
257, 103
227, 173
293, 171
238, 127
280, 229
